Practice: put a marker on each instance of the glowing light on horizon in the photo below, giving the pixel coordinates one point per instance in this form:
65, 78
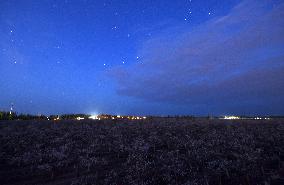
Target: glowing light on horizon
94, 117
80, 118
231, 117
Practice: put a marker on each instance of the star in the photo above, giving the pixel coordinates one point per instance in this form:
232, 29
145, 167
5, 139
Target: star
104, 64
209, 13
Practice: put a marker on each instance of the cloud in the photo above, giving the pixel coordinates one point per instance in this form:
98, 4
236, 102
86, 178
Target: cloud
235, 58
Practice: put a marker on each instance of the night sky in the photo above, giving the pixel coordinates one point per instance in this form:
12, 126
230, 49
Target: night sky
142, 57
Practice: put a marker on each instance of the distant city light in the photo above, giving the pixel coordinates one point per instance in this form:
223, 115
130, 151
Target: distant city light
231, 117
80, 118
245, 118
114, 117
94, 117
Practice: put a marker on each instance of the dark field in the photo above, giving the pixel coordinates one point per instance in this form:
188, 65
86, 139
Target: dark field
161, 151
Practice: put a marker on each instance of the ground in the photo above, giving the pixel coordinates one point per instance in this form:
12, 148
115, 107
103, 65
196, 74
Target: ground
151, 151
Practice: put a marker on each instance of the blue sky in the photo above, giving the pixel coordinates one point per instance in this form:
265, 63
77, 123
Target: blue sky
142, 57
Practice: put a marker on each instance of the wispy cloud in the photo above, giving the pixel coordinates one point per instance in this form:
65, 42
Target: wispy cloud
235, 58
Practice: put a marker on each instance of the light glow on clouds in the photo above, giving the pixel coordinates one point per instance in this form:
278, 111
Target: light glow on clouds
233, 61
